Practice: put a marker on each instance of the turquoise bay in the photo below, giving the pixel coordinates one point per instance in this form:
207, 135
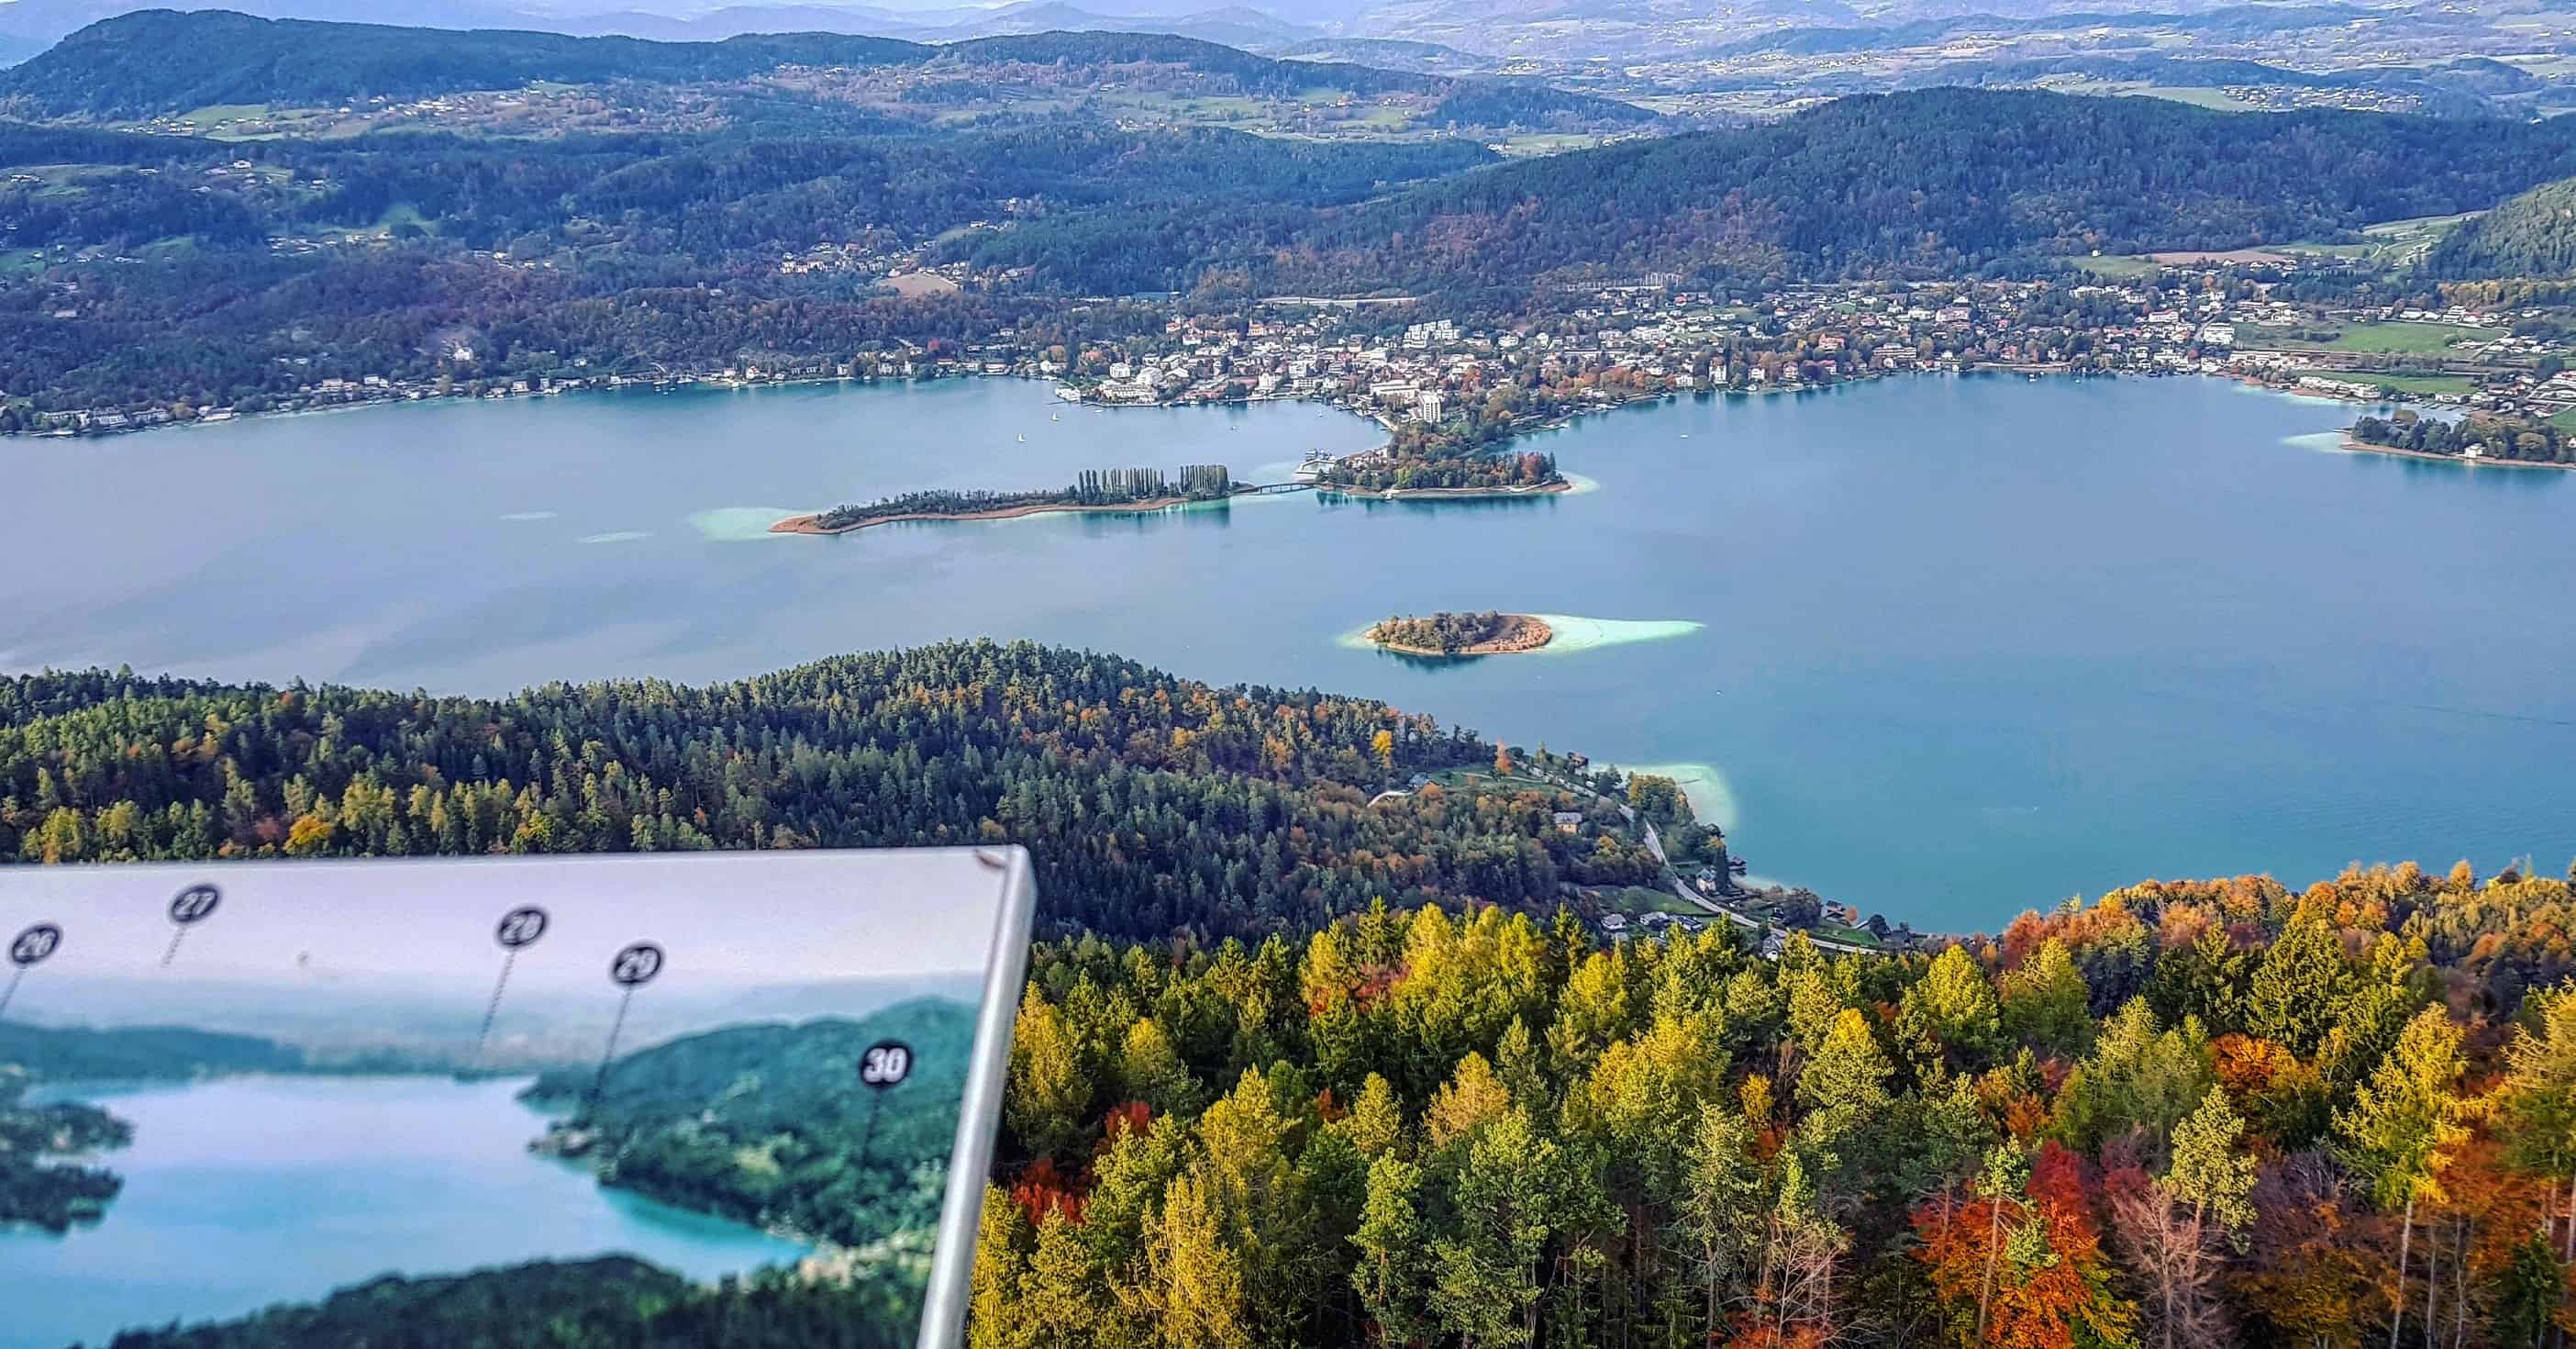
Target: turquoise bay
1962, 646
247, 1192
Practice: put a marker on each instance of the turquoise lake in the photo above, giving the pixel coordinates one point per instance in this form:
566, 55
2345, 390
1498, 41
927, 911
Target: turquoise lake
1943, 647
245, 1192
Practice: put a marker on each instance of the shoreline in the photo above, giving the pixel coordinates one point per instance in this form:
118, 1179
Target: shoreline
2359, 446
810, 523
1519, 428
1522, 633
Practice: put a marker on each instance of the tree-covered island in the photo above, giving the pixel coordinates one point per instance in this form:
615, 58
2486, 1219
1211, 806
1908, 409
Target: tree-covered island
2492, 439
1393, 471
1448, 634
1116, 489
35, 1185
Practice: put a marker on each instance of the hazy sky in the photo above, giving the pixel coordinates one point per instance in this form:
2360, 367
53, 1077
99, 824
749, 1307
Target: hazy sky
724, 920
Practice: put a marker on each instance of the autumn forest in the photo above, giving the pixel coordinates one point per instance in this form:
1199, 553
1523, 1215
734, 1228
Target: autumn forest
1305, 1061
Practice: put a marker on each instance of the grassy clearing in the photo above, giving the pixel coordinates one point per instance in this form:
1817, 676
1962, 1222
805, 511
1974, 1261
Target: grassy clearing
2396, 242
2565, 421
2390, 339
1547, 143
2116, 268
216, 114
2198, 96
1645, 899
1857, 936
1484, 780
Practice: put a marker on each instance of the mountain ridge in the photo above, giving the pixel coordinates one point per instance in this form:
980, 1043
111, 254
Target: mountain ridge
163, 61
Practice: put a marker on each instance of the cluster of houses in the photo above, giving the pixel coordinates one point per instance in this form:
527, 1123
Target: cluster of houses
1651, 340
1602, 346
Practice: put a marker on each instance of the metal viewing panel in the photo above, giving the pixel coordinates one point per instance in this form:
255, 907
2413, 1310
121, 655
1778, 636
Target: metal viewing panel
711, 1085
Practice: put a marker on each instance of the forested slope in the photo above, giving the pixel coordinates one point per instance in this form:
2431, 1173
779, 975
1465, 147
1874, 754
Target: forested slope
164, 61
157, 62
2532, 235
1945, 179
2223, 1112
1153, 804
167, 271
2195, 1114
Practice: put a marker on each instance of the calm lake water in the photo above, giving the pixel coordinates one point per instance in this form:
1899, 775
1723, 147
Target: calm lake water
245, 1192
1963, 645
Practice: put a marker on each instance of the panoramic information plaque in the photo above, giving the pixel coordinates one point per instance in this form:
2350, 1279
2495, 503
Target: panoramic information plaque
583, 1099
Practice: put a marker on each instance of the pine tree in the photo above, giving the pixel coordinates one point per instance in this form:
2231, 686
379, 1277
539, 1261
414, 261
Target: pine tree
1485, 1283
2046, 1004
2136, 1077
1949, 1016
1197, 1286
1375, 1124
1058, 1308
1470, 1100
1392, 1271
1721, 1187
1843, 1089
2403, 1126
1050, 1092
2209, 1173
2300, 985
2537, 1108
1150, 1069
993, 1295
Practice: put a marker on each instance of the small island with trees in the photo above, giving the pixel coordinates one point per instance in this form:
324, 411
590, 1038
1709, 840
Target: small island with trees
1116, 489
1447, 634
35, 1186
2476, 438
1393, 473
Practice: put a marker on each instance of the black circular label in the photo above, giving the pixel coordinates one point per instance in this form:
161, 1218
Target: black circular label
520, 927
34, 944
635, 966
886, 1063
195, 904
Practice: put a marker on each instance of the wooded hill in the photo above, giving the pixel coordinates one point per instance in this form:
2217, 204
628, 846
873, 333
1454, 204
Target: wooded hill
2204, 1114
2211, 1112
2533, 234
221, 273
769, 1125
2201, 1114
158, 62
1941, 181
1154, 805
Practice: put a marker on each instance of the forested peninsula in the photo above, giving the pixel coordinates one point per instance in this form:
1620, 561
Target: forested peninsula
1304, 1065
1117, 489
761, 1124
1154, 805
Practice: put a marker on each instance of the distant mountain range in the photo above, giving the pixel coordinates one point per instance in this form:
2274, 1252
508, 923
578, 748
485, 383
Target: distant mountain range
162, 62
29, 26
1549, 33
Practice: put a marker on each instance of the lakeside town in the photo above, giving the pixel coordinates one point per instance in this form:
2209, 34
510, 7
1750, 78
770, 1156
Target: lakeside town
1470, 382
